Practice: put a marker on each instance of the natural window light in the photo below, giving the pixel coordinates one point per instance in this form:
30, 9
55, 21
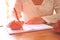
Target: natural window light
6, 7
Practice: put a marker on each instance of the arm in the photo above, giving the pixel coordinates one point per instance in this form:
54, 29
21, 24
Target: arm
55, 17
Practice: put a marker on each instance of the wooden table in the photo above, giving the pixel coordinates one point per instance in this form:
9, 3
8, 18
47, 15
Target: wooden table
37, 35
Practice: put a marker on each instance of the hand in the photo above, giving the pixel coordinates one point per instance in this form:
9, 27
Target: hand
36, 20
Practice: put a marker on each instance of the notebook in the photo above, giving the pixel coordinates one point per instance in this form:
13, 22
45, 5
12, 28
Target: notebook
29, 28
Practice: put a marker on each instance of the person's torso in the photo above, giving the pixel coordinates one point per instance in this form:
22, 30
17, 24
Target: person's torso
30, 10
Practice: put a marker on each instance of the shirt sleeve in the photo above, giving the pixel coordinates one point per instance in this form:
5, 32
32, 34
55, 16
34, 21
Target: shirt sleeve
57, 6
52, 18
55, 17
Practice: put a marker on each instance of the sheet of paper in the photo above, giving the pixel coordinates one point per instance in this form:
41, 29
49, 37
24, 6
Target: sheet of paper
28, 28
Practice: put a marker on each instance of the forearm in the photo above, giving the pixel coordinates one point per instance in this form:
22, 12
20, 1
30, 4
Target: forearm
52, 18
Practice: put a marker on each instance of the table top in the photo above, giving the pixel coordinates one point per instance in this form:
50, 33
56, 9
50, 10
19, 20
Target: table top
36, 35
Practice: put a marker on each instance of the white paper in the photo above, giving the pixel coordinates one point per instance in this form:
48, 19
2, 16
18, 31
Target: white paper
28, 28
